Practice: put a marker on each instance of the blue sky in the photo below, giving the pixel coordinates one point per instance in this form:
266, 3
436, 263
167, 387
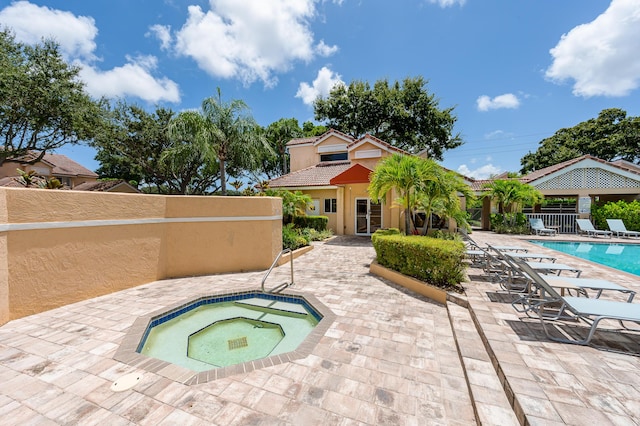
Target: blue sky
515, 71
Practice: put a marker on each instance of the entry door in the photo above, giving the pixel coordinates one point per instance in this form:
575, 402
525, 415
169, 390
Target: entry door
368, 216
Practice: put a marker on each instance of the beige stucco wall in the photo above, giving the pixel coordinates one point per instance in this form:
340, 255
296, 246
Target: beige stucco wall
51, 254
321, 195
307, 155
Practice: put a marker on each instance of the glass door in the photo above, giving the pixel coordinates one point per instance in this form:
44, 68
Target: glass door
368, 216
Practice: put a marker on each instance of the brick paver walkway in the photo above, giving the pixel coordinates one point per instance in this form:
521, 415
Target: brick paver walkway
390, 357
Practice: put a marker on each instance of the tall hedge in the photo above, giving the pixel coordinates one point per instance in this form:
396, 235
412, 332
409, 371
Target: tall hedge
628, 212
319, 223
436, 261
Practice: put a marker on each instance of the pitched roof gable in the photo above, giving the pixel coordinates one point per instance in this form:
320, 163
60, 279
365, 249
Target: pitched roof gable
318, 175
547, 171
374, 141
354, 174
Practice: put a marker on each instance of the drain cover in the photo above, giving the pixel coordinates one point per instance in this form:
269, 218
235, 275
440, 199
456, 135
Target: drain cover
238, 343
126, 382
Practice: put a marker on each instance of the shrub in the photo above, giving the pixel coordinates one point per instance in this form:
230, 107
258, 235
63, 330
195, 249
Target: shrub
436, 261
319, 223
628, 212
516, 223
292, 238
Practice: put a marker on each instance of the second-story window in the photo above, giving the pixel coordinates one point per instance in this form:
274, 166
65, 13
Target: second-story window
334, 157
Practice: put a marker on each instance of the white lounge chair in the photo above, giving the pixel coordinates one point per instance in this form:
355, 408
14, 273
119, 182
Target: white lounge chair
618, 227
586, 227
592, 311
539, 229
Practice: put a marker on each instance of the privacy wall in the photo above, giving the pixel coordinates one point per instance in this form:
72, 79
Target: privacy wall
60, 247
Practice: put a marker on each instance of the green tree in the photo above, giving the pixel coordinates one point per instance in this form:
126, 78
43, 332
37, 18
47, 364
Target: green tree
232, 134
188, 163
441, 194
309, 129
132, 144
403, 114
610, 136
511, 195
404, 174
293, 203
43, 105
278, 134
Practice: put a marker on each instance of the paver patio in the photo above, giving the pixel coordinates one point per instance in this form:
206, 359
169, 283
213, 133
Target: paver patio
390, 357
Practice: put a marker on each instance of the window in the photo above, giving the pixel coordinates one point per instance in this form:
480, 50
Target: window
330, 205
334, 157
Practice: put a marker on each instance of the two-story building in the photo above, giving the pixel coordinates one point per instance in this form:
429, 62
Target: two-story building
333, 169
68, 172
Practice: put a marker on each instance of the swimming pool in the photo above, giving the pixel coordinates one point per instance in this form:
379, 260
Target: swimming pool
625, 257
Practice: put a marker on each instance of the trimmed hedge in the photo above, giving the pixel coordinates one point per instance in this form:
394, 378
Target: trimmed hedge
319, 223
436, 261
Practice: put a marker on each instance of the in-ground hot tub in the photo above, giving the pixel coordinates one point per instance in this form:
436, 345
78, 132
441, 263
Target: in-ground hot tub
214, 336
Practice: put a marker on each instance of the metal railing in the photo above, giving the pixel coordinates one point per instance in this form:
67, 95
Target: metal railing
283, 285
564, 223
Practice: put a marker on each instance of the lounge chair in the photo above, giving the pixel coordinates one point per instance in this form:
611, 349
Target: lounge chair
524, 256
474, 245
586, 227
618, 227
592, 311
502, 269
539, 229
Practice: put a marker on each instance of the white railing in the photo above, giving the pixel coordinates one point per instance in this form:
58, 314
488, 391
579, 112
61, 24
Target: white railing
564, 223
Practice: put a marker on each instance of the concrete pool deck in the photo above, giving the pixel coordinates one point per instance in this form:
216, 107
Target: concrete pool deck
390, 357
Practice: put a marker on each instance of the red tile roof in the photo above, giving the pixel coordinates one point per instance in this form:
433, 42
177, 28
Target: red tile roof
103, 185
318, 175
354, 174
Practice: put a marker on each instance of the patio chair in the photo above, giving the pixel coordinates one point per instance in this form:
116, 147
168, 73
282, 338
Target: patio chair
586, 227
524, 256
539, 229
592, 311
473, 244
618, 227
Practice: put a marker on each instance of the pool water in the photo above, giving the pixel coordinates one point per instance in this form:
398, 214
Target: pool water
625, 257
230, 332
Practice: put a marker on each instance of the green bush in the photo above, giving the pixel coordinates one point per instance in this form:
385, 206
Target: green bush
292, 238
509, 223
628, 212
436, 261
319, 223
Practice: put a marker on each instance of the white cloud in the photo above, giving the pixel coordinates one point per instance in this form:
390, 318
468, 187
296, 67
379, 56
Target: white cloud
448, 3
484, 172
601, 57
321, 86
32, 23
132, 79
162, 33
508, 100
326, 50
250, 40
76, 37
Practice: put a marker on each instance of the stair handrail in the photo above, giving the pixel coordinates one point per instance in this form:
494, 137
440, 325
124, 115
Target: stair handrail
284, 251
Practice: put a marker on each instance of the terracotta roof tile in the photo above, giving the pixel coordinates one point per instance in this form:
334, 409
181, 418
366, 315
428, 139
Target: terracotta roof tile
318, 175
64, 166
102, 185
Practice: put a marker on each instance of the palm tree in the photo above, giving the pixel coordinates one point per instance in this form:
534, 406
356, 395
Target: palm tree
511, 195
403, 173
441, 195
227, 129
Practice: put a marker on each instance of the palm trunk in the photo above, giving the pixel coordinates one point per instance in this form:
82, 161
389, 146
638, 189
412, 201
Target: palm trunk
223, 177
